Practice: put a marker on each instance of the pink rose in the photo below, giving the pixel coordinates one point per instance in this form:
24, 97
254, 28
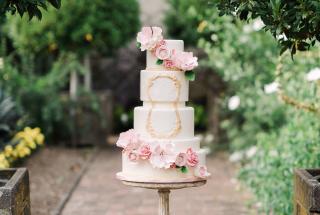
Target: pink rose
162, 52
168, 64
201, 172
133, 156
185, 60
192, 158
129, 140
181, 159
149, 37
144, 152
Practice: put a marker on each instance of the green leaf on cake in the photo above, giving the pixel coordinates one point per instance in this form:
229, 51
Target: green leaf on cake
159, 62
138, 45
190, 75
184, 169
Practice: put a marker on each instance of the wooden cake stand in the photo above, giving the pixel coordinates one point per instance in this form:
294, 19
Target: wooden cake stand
164, 190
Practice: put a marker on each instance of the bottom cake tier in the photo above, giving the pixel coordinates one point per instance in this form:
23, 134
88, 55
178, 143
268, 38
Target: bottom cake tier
144, 171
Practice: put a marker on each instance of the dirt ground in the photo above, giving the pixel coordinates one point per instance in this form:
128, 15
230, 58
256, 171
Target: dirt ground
53, 171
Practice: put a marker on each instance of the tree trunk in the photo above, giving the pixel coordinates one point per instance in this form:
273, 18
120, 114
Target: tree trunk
213, 115
74, 81
87, 75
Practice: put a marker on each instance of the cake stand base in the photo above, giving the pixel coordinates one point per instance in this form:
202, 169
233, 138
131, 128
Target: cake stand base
164, 191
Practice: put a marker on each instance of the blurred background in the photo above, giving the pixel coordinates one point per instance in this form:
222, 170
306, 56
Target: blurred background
69, 83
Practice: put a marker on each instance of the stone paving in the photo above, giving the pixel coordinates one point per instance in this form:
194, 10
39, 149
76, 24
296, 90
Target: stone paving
100, 193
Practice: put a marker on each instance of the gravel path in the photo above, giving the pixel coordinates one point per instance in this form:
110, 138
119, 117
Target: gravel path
100, 193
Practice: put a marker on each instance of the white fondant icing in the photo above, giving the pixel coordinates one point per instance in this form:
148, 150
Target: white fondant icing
164, 120
152, 59
163, 89
179, 144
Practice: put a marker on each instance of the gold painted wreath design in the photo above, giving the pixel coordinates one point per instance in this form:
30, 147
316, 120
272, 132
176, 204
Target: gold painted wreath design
149, 125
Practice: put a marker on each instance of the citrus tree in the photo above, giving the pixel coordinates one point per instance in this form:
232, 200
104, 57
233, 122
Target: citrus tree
92, 26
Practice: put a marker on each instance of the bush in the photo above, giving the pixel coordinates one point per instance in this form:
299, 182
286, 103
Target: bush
9, 116
39, 96
270, 172
80, 26
297, 22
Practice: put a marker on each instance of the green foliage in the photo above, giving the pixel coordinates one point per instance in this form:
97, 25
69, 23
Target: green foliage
245, 58
32, 7
200, 116
39, 95
270, 172
123, 119
183, 27
80, 26
9, 115
299, 20
190, 75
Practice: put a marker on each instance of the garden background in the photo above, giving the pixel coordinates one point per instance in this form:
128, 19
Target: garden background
69, 79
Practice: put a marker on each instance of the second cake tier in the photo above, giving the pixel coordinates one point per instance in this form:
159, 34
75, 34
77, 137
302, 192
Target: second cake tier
164, 123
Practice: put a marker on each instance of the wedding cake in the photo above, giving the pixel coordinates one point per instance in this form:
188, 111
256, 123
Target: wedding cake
162, 147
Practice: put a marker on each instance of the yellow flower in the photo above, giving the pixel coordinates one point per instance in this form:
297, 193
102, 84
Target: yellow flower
8, 150
88, 37
23, 150
4, 164
40, 139
3, 161
32, 145
202, 26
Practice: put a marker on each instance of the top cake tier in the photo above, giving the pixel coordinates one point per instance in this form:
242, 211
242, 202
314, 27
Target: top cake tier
152, 59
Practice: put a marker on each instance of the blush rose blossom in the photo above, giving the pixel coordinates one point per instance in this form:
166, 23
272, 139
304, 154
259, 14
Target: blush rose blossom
185, 60
181, 159
192, 158
162, 52
144, 151
201, 172
133, 156
162, 156
168, 64
149, 37
129, 140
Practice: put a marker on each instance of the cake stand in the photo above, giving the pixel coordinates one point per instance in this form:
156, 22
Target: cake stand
164, 190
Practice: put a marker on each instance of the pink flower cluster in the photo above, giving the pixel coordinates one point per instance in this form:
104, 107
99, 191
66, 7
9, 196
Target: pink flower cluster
151, 39
160, 156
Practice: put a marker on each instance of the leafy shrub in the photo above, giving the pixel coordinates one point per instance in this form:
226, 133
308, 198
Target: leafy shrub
9, 115
79, 26
183, 27
298, 21
38, 96
270, 172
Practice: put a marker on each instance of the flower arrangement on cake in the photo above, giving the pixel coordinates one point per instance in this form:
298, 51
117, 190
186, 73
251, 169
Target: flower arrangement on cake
159, 155
151, 39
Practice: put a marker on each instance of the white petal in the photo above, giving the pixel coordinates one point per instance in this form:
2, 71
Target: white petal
234, 102
271, 88
314, 74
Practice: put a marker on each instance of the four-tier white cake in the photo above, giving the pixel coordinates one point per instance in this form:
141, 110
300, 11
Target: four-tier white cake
162, 147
